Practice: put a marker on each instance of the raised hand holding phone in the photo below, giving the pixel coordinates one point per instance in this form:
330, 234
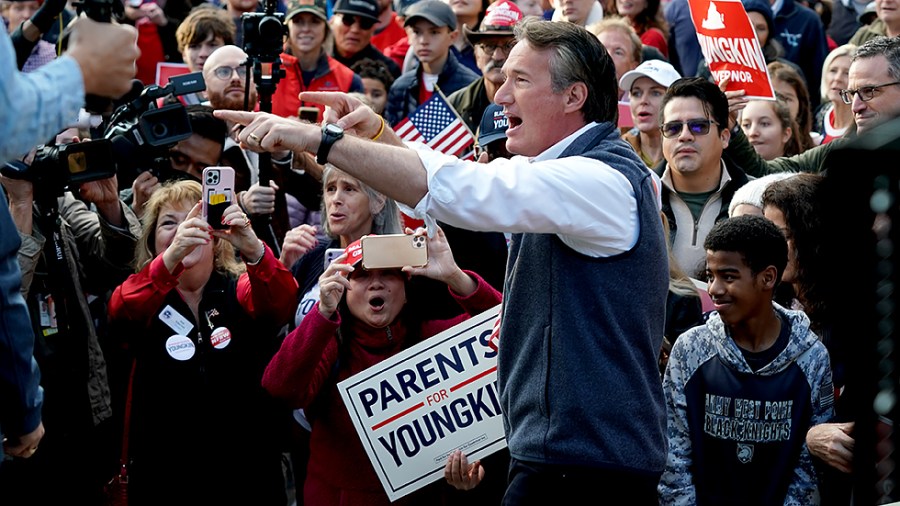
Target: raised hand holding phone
218, 194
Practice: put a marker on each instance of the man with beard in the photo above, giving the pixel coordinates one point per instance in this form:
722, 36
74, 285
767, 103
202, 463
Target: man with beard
493, 41
226, 77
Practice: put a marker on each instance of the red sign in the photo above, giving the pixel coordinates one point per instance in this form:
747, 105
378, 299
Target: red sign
729, 45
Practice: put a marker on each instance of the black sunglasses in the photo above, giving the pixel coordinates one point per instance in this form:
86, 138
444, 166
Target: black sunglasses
696, 127
364, 23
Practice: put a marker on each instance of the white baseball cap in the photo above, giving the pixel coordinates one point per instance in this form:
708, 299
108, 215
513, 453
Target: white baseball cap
658, 70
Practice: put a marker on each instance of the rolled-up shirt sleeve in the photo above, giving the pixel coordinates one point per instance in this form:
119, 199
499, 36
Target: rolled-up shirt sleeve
588, 204
37, 105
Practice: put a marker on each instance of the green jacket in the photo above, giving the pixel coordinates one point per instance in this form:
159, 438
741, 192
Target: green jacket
742, 153
869, 32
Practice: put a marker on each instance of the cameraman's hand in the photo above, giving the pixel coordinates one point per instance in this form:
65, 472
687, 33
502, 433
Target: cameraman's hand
106, 54
105, 194
21, 198
192, 232
298, 242
143, 186
259, 199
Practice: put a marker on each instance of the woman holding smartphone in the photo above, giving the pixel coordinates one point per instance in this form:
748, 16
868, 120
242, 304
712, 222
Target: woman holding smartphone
362, 317
306, 63
350, 209
201, 326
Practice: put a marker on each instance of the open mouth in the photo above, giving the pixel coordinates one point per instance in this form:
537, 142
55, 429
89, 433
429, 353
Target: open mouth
376, 303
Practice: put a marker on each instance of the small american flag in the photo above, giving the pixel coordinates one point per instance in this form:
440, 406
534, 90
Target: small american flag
436, 124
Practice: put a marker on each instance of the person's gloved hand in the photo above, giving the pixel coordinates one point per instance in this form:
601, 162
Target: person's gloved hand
49, 10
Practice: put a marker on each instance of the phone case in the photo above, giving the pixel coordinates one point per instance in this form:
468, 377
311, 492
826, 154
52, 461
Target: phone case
331, 254
218, 194
393, 251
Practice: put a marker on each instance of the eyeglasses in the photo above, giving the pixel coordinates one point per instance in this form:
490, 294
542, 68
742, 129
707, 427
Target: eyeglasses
364, 23
866, 93
696, 127
489, 47
225, 72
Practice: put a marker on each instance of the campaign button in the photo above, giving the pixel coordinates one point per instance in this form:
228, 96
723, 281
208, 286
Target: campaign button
220, 338
180, 347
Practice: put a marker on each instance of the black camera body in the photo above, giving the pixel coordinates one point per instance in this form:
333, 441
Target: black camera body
56, 167
142, 133
264, 33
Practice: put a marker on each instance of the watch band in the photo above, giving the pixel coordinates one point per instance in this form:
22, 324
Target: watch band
331, 133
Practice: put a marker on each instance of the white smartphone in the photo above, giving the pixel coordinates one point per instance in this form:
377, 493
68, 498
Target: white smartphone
393, 251
331, 254
218, 194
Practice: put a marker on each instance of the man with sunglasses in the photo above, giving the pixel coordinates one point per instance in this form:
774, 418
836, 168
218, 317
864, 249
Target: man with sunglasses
492, 41
353, 25
873, 93
697, 183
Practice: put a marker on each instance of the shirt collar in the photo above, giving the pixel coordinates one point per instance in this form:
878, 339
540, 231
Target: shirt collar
554, 151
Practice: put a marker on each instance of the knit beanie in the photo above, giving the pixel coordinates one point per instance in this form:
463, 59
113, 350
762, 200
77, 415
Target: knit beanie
751, 193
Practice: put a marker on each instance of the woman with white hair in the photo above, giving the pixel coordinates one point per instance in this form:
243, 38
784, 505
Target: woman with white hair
834, 117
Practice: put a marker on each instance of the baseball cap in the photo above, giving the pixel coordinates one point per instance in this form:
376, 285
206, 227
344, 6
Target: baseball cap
868, 14
354, 253
493, 125
661, 72
498, 21
316, 7
365, 8
435, 12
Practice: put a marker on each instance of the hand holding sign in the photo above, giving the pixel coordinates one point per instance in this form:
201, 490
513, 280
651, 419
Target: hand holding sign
729, 45
737, 100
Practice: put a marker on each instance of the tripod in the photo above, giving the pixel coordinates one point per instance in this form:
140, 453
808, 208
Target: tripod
263, 38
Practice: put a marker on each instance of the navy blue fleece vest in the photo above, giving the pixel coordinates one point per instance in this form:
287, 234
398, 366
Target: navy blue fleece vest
580, 338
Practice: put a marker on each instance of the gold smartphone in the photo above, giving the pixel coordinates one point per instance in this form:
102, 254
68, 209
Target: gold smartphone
393, 251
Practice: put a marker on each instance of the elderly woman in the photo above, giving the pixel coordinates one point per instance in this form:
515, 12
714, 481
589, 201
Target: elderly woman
201, 325
306, 62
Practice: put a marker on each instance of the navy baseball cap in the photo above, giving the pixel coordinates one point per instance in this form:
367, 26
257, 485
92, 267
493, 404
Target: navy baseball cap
493, 125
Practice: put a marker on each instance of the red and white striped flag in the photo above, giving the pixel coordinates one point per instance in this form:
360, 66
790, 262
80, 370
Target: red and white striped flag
436, 124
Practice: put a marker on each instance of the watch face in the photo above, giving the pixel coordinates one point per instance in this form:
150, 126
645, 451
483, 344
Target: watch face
333, 129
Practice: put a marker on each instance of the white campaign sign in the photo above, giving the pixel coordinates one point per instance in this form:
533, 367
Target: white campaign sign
414, 409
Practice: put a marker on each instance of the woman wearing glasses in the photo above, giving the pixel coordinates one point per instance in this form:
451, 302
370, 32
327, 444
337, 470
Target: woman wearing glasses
307, 65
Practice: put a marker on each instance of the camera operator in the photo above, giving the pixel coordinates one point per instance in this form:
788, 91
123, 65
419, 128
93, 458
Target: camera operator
187, 158
225, 87
71, 258
100, 60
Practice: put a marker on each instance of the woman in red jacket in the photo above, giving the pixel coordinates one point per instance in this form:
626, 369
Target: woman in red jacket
201, 326
362, 318
306, 63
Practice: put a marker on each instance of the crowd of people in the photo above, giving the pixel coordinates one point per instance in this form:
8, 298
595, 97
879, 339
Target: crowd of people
659, 248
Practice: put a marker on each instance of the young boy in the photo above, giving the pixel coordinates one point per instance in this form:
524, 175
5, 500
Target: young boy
431, 28
743, 389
